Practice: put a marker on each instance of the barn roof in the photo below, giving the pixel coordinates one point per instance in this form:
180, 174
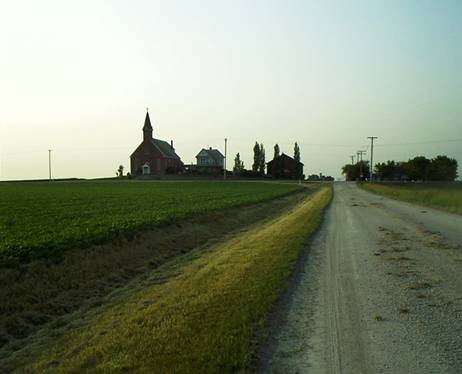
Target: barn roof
283, 156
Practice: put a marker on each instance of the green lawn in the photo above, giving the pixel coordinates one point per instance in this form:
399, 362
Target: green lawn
445, 196
201, 315
39, 220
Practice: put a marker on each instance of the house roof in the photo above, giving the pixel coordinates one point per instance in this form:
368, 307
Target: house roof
213, 153
283, 155
165, 148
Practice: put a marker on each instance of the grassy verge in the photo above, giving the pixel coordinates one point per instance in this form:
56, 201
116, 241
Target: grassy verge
203, 317
441, 196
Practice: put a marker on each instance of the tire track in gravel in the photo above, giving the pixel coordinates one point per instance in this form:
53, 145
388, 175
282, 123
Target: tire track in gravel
376, 292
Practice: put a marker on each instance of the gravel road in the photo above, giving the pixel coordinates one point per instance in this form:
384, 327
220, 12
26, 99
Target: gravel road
379, 290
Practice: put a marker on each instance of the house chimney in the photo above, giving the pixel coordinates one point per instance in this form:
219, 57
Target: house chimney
171, 144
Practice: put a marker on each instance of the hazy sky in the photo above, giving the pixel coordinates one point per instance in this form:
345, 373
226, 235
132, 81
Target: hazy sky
76, 76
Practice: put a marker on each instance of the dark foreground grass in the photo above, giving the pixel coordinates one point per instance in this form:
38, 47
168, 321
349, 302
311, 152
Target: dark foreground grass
445, 196
203, 318
40, 220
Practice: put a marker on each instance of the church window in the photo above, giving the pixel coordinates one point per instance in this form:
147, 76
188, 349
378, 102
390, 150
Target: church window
146, 169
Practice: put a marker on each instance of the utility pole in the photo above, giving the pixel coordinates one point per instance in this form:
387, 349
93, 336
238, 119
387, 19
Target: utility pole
360, 154
372, 156
352, 160
49, 164
224, 171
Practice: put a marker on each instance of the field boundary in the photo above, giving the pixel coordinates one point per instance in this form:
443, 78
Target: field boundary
83, 278
278, 309
216, 303
438, 195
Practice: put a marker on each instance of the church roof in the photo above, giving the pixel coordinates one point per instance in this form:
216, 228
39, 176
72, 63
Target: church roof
165, 148
147, 122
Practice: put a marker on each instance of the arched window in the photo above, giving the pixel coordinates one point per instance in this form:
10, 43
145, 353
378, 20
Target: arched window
146, 169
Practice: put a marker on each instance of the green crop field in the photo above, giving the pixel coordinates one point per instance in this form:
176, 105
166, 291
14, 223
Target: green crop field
446, 196
40, 220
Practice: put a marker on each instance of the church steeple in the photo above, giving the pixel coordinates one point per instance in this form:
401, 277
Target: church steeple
147, 128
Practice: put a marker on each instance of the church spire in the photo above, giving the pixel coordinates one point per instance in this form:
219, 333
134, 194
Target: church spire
147, 128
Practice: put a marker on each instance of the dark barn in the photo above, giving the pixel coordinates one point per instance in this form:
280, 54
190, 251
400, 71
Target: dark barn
154, 156
284, 166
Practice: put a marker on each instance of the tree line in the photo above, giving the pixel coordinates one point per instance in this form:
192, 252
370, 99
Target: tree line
420, 168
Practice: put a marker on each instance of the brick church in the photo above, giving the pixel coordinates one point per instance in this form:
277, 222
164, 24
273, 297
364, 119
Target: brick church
154, 156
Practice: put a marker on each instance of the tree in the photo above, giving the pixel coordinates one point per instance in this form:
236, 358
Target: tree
238, 164
320, 177
277, 151
261, 165
353, 172
350, 172
296, 152
386, 171
120, 171
442, 168
417, 168
256, 157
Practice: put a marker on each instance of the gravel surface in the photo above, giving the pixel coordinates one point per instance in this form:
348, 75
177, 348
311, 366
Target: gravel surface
379, 290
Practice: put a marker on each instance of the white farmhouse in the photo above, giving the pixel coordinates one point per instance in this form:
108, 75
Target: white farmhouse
209, 161
210, 157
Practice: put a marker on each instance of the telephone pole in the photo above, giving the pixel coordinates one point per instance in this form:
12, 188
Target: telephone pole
224, 171
352, 160
372, 156
360, 154
49, 164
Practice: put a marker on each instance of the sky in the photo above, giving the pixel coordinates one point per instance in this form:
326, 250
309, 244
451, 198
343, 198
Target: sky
77, 76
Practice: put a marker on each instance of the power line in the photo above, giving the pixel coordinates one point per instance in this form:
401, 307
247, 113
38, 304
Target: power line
419, 143
224, 171
49, 164
239, 141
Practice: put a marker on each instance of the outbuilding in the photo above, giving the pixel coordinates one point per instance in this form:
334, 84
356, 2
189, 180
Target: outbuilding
285, 166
